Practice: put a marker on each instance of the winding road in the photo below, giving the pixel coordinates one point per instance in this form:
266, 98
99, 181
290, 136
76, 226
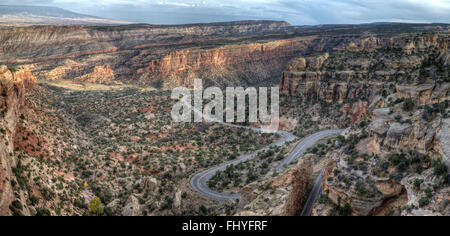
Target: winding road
200, 181
314, 195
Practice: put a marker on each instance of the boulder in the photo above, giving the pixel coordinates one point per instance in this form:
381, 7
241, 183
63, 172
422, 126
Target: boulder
177, 200
182, 167
114, 205
132, 207
396, 133
443, 138
150, 183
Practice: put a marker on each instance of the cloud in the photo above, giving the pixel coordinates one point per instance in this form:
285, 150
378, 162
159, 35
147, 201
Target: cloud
297, 12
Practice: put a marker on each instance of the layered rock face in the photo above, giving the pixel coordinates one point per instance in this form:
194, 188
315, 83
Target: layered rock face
12, 87
301, 184
359, 70
398, 161
236, 53
48, 42
230, 64
285, 194
162, 56
399, 87
426, 93
305, 79
101, 74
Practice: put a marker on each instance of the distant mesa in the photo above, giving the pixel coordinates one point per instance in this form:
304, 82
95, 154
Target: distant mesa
40, 15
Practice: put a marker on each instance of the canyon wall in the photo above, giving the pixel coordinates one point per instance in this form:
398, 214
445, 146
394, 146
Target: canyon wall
235, 53
304, 79
245, 64
400, 87
360, 70
399, 147
45, 42
12, 87
162, 56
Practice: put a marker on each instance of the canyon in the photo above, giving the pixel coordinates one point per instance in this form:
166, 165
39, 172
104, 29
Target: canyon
392, 89
85, 114
223, 54
12, 87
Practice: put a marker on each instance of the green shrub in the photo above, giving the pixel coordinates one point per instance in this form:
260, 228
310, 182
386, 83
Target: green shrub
395, 160
428, 192
439, 168
424, 201
346, 210
12, 69
95, 207
408, 104
43, 212
362, 191
417, 183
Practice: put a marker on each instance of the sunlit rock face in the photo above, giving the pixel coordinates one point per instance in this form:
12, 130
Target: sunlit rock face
12, 87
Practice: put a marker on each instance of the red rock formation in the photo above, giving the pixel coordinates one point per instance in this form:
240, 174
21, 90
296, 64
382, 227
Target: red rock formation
12, 88
358, 76
357, 111
100, 75
301, 181
252, 62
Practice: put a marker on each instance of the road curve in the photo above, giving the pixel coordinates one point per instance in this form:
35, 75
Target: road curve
200, 180
314, 195
306, 143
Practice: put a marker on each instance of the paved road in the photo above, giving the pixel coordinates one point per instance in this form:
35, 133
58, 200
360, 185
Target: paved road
314, 195
200, 180
306, 143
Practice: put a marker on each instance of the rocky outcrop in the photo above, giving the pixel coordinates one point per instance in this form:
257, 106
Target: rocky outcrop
443, 138
100, 75
177, 200
361, 203
281, 196
389, 167
399, 129
149, 183
132, 207
357, 111
12, 87
250, 63
426, 93
301, 182
360, 71
305, 78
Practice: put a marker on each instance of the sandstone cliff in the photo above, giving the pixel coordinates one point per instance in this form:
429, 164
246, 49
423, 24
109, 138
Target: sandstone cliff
395, 90
12, 87
231, 64
283, 195
301, 185
360, 72
235, 53
398, 163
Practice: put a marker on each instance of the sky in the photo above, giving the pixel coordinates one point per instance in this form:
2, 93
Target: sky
296, 12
